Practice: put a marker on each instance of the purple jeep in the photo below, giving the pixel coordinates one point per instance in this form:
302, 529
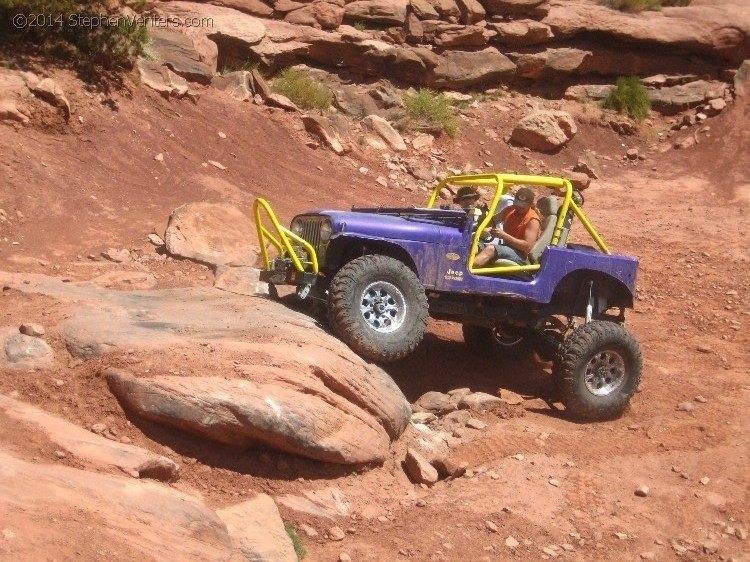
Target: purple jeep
381, 272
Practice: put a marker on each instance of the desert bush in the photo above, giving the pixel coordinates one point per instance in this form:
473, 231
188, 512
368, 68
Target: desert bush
641, 5
56, 28
629, 96
430, 110
302, 90
299, 548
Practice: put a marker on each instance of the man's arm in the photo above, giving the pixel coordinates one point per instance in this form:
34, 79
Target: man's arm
525, 244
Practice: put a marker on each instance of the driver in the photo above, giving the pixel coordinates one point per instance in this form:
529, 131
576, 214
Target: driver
520, 230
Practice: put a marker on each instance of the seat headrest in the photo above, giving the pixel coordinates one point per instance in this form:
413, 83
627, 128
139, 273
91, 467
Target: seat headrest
548, 206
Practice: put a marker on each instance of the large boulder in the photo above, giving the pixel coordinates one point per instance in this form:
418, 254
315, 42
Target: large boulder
51, 92
544, 130
319, 127
180, 53
462, 69
237, 84
299, 416
588, 92
377, 11
257, 531
213, 233
55, 506
462, 36
423, 10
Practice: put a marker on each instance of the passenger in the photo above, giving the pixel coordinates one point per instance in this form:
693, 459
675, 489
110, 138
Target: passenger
520, 230
466, 198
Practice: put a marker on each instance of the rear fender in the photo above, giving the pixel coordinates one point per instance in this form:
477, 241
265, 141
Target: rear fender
607, 291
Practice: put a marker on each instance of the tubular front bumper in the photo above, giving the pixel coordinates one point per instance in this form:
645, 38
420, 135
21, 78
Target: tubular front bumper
287, 276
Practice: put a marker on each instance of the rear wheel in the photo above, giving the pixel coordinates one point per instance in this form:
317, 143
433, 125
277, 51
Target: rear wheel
378, 307
597, 370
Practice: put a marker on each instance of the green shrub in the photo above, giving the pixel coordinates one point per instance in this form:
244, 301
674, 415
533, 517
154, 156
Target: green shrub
109, 43
641, 5
299, 548
429, 109
302, 90
360, 25
629, 96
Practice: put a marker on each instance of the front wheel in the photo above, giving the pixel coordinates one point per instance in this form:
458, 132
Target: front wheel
597, 370
378, 307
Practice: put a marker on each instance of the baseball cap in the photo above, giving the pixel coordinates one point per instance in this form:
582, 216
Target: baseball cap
466, 192
524, 195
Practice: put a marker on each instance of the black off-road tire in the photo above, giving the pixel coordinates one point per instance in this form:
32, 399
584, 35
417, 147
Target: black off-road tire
481, 341
599, 346
345, 296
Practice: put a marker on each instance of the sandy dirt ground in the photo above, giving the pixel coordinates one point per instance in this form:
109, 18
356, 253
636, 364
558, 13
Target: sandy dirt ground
559, 489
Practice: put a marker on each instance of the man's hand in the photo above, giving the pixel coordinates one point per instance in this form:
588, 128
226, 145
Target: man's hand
499, 233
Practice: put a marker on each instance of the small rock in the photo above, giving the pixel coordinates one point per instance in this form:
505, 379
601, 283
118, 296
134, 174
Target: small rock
155, 239
476, 424
550, 552
423, 417
480, 401
648, 555
363, 170
448, 469
511, 542
518, 457
642, 491
685, 407
159, 157
309, 531
117, 256
510, 397
632, 153
61, 454
704, 349
700, 399
35, 330
344, 557
554, 482
490, 526
705, 480
621, 536
336, 534
222, 135
741, 533
98, 428
710, 547
218, 165
419, 469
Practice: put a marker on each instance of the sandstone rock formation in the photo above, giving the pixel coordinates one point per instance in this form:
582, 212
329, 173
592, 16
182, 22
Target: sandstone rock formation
244, 379
21, 352
180, 54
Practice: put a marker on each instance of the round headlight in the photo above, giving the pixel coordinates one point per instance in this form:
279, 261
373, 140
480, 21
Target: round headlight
297, 227
326, 229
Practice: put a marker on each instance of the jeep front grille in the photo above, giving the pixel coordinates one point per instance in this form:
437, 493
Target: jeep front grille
311, 233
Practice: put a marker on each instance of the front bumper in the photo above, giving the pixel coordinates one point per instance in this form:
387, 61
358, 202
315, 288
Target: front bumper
283, 272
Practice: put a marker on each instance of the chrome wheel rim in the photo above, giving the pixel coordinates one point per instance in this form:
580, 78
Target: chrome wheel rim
383, 307
605, 373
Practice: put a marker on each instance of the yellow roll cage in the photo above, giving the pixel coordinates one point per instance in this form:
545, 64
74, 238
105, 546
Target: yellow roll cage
501, 184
